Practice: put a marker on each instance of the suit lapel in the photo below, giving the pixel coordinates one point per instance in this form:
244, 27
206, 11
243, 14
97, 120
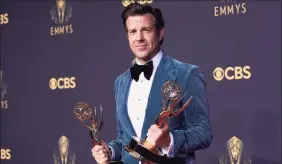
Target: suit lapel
164, 72
123, 98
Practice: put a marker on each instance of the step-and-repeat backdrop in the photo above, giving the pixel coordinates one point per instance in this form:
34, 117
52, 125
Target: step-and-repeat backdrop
57, 53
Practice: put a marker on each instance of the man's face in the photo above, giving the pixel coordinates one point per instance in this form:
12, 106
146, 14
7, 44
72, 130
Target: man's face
142, 36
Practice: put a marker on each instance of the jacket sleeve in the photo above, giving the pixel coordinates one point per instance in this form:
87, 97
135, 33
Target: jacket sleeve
116, 145
197, 132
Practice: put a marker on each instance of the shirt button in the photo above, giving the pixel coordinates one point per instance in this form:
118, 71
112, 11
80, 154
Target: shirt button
137, 118
139, 99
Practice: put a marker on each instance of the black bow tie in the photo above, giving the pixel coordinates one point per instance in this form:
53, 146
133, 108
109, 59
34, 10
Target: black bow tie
136, 70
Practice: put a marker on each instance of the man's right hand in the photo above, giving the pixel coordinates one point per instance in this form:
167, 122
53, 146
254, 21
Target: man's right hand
102, 153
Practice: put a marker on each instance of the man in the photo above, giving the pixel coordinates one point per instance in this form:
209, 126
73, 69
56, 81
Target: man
138, 95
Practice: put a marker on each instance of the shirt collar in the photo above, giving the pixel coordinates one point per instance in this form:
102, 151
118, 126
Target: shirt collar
156, 59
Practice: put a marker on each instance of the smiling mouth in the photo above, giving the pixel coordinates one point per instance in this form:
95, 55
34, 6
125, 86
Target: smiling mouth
140, 46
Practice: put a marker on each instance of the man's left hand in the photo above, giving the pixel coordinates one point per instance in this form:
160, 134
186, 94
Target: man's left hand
159, 136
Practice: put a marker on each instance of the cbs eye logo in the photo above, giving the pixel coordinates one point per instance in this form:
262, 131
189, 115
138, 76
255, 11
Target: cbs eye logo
62, 83
232, 73
4, 19
6, 154
128, 2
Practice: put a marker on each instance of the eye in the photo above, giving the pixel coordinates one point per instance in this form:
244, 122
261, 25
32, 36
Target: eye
147, 30
132, 32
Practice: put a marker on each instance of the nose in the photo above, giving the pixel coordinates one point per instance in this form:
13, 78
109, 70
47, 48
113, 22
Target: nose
139, 36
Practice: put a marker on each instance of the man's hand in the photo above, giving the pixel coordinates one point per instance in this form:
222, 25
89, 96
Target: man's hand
102, 153
159, 136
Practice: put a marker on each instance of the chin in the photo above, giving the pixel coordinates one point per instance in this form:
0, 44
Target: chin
142, 55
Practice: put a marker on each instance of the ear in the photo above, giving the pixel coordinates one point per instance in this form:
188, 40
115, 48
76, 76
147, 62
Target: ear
161, 34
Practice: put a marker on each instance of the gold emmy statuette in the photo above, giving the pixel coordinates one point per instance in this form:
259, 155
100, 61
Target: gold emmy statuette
235, 149
83, 112
63, 156
142, 149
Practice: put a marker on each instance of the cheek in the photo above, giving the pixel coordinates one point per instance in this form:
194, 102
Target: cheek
131, 46
152, 39
131, 41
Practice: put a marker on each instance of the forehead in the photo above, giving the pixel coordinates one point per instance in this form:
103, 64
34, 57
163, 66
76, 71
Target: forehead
146, 20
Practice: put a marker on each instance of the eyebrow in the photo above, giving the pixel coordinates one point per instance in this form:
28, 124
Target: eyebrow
142, 28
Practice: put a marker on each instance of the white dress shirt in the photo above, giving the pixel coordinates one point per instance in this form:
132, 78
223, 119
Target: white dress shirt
138, 96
